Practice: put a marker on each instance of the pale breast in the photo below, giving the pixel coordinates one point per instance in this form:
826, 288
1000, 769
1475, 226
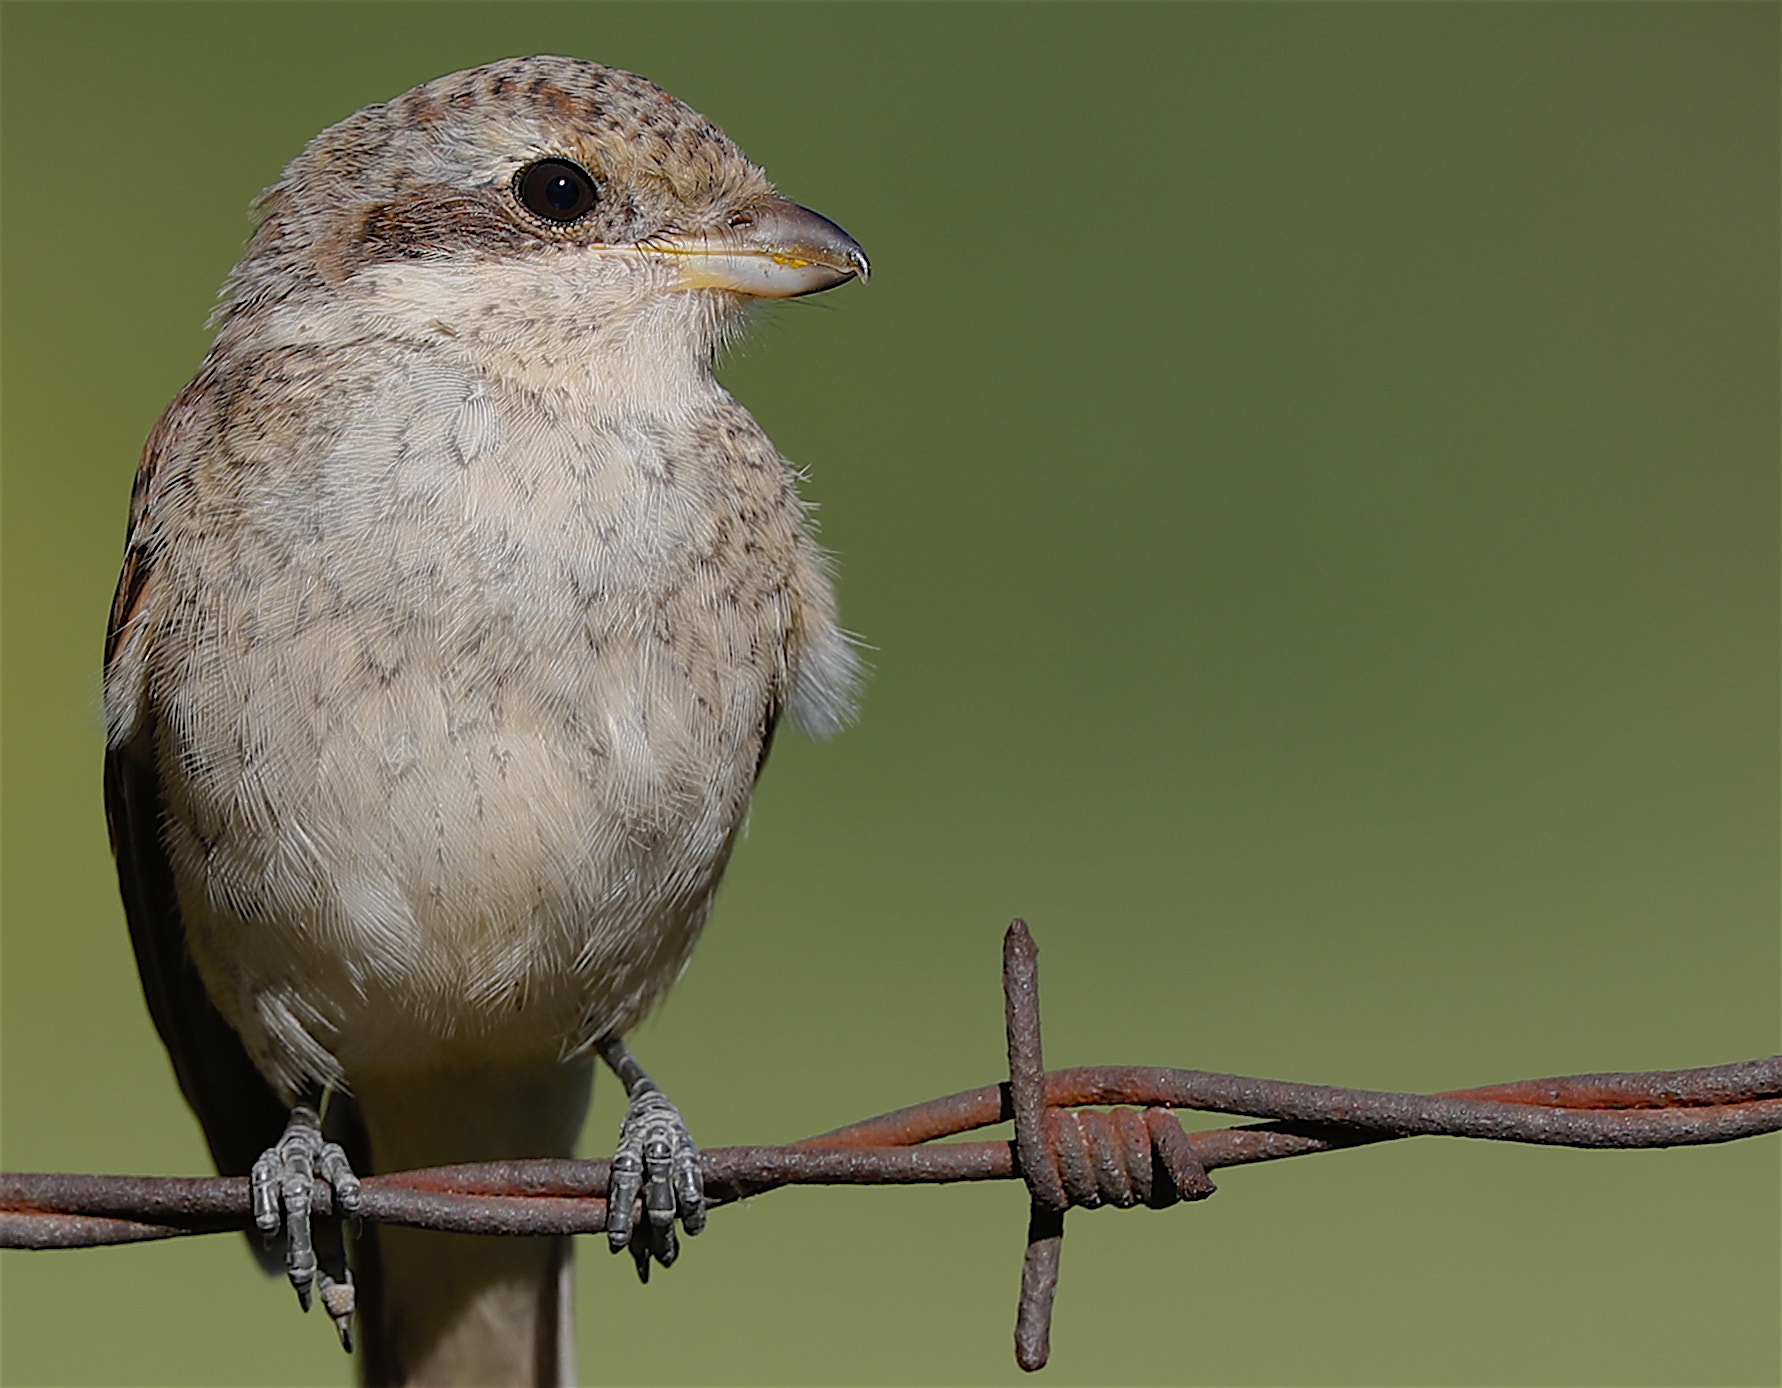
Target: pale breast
461, 693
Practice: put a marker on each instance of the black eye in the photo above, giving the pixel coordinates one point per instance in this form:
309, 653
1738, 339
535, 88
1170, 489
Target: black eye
556, 190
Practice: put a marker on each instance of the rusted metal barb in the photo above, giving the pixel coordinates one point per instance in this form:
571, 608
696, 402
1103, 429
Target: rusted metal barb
1124, 1157
1045, 1185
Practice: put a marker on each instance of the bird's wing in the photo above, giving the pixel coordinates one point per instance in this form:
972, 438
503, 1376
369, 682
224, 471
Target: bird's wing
241, 1114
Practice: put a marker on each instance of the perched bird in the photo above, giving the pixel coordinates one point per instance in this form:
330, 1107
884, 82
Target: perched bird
459, 607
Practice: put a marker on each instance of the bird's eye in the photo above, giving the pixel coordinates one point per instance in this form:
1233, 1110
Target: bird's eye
556, 190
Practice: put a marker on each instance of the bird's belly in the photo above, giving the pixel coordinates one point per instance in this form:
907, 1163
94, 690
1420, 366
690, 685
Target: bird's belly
495, 859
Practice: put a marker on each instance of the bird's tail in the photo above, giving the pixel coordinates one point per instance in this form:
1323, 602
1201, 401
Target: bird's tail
468, 1309
465, 1309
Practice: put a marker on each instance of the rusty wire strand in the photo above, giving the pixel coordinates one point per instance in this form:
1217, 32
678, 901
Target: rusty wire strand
1125, 1157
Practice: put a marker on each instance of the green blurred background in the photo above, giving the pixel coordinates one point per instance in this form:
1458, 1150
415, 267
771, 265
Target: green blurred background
1308, 476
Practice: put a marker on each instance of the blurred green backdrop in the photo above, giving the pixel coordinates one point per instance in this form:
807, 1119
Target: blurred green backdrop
1308, 475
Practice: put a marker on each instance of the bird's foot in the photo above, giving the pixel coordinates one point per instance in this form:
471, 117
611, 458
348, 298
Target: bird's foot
283, 1191
657, 1159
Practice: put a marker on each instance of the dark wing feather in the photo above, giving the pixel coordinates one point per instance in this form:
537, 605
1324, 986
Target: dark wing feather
241, 1114
769, 725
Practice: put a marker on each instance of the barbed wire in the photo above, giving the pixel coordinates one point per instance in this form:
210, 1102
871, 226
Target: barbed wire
1070, 1148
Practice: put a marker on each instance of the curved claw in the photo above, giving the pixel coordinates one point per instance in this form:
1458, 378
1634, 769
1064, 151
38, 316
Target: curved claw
689, 1189
621, 1195
338, 1300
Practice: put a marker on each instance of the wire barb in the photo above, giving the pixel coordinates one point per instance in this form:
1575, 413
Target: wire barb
1085, 1159
1034, 1148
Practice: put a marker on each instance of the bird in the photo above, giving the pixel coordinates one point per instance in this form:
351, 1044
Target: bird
459, 607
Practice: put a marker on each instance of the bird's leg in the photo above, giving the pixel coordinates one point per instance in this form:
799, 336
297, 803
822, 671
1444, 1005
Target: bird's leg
657, 1158
282, 1185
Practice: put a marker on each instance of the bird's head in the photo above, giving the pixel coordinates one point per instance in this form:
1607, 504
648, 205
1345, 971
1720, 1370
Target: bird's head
545, 196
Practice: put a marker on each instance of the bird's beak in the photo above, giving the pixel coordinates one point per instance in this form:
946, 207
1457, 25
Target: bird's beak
774, 250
